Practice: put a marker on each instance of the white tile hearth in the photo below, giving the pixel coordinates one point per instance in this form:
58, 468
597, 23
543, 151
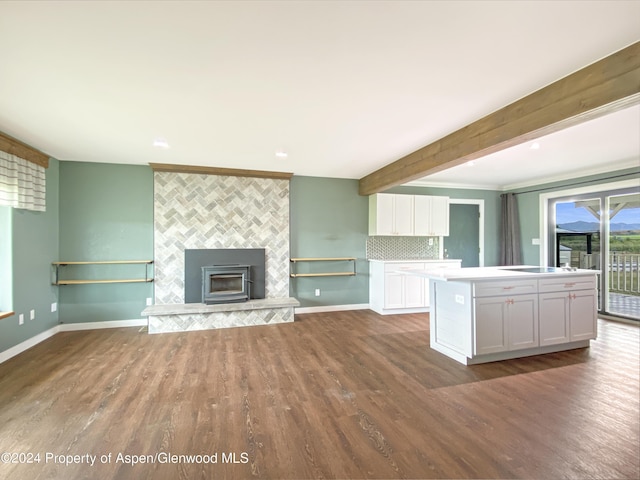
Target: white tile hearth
198, 316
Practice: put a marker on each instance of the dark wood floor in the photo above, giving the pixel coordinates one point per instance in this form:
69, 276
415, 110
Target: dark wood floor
335, 395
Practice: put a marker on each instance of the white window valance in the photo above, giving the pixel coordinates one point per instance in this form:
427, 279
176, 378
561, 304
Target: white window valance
22, 183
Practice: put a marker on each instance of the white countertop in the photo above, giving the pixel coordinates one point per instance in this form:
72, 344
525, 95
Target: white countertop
491, 273
417, 260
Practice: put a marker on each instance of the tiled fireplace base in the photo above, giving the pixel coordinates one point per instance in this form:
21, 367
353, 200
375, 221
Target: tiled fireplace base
198, 316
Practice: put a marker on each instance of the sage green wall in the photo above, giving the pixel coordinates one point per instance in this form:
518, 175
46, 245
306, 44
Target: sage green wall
529, 205
106, 213
491, 213
34, 238
329, 219
6, 283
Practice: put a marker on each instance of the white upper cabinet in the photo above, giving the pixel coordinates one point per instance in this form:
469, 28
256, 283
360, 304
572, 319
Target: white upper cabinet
431, 216
390, 214
408, 215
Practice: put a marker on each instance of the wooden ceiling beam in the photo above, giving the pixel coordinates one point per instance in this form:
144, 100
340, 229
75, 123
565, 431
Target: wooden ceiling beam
19, 149
606, 86
232, 172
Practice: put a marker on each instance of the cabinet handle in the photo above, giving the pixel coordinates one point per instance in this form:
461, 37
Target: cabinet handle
569, 285
508, 288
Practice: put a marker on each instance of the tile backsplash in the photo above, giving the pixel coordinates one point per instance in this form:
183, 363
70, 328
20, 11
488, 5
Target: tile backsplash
402, 248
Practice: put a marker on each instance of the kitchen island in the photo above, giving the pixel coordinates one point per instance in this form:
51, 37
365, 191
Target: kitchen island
487, 314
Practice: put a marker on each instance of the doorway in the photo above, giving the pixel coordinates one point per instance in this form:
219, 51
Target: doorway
466, 232
601, 231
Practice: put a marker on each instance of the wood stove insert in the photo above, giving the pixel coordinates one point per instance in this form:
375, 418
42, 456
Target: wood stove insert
226, 283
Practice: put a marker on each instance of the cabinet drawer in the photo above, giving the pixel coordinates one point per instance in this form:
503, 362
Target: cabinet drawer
436, 265
394, 267
505, 287
587, 282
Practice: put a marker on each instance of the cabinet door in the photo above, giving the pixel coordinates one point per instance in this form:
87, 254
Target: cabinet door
490, 325
522, 318
414, 290
439, 216
403, 215
554, 318
393, 290
385, 214
421, 216
583, 315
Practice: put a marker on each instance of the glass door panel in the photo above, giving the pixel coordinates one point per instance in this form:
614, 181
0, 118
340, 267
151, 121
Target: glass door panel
576, 232
623, 255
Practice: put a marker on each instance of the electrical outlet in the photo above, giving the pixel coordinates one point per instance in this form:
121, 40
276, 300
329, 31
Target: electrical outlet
149, 301
317, 292
430, 242
32, 314
21, 319
54, 307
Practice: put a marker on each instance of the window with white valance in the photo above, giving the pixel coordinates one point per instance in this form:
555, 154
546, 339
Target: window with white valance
22, 183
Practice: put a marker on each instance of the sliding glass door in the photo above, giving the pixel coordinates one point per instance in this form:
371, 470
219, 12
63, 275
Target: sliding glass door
601, 231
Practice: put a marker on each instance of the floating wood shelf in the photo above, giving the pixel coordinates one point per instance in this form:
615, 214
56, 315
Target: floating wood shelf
325, 274
146, 279
325, 259
106, 262
85, 282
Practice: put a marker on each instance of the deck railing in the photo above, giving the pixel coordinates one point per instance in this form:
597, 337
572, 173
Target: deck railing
624, 273
624, 269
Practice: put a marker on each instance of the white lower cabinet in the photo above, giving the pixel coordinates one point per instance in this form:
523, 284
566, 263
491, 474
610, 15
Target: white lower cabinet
567, 316
559, 310
392, 292
505, 323
400, 290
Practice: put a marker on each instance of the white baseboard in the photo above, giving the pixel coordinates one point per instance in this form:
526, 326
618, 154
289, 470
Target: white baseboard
27, 344
332, 308
67, 327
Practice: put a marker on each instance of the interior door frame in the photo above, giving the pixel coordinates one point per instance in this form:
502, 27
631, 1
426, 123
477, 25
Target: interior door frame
480, 203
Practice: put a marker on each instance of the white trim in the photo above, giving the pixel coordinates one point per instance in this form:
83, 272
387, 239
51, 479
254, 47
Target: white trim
28, 343
67, 327
480, 203
332, 308
72, 327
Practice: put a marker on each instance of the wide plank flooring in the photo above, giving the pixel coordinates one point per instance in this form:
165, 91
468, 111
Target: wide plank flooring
332, 395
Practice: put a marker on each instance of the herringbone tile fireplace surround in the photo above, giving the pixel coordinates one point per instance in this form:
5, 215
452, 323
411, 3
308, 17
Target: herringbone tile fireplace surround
213, 211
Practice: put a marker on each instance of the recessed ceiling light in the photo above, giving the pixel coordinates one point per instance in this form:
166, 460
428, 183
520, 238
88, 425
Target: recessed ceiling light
281, 154
470, 163
161, 143
535, 146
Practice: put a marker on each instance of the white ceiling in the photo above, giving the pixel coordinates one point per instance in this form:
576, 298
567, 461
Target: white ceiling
344, 87
602, 145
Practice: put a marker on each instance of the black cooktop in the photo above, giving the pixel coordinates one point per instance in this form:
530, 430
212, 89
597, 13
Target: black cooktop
537, 269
